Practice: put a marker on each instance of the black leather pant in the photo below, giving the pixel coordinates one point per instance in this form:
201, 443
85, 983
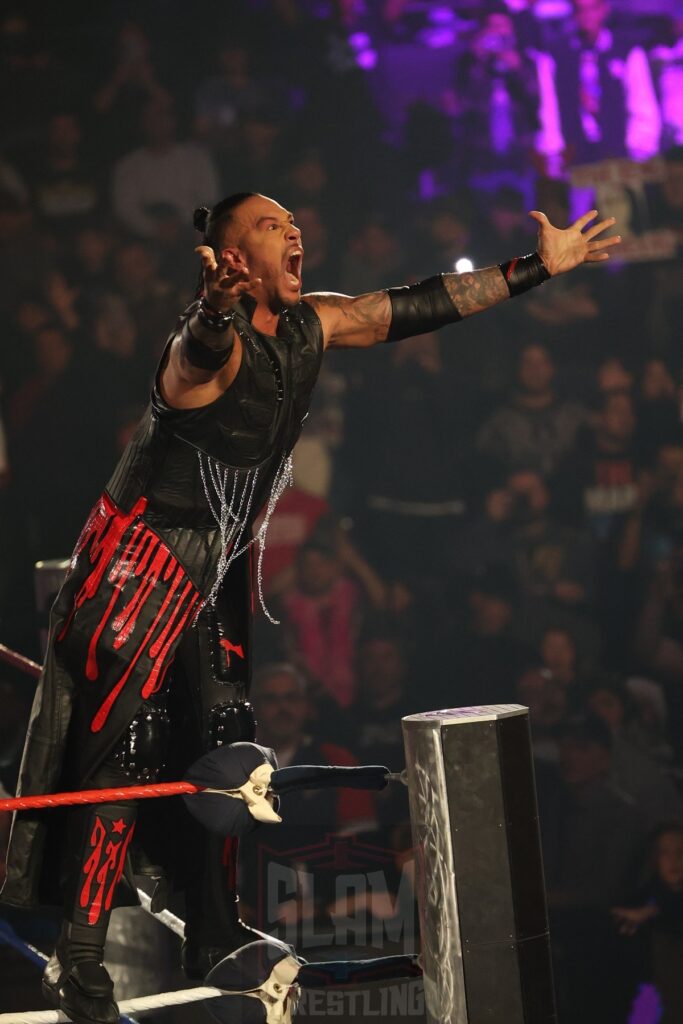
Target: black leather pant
200, 708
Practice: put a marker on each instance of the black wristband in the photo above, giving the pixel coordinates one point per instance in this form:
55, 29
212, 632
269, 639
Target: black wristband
201, 355
523, 273
418, 308
214, 319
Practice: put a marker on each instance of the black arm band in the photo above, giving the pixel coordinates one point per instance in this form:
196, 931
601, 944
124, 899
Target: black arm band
419, 308
206, 357
523, 273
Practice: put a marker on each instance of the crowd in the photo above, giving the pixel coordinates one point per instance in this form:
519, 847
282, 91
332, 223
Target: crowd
492, 514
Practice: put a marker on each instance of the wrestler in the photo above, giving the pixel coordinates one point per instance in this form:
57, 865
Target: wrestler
149, 654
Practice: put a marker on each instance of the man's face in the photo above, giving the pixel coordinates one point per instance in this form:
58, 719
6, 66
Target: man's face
536, 370
618, 419
264, 238
317, 572
558, 650
281, 709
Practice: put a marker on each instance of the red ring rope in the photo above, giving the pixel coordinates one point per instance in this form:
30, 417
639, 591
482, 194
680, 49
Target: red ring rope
98, 796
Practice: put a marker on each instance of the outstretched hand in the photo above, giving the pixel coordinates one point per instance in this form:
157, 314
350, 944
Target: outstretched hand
562, 249
224, 282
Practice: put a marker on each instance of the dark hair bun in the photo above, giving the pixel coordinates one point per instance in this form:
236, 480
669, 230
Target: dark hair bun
200, 217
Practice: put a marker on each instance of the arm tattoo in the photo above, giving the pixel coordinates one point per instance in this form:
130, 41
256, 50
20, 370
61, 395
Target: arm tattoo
473, 292
354, 320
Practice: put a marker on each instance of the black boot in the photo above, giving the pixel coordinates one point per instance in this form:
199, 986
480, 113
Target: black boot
75, 979
213, 928
83, 989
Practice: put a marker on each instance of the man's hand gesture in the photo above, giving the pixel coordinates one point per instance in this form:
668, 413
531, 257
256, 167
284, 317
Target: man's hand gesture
224, 281
563, 249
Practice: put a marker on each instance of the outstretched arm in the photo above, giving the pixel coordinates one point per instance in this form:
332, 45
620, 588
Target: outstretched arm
364, 320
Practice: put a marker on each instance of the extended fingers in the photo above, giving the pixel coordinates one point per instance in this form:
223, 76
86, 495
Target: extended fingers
596, 249
603, 243
238, 281
586, 219
597, 228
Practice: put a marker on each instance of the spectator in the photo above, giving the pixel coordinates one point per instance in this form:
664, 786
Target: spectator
399, 509
486, 657
548, 703
373, 258
65, 182
559, 655
552, 562
535, 428
659, 418
178, 176
599, 479
659, 637
53, 498
147, 294
222, 99
613, 377
633, 770
667, 59
660, 912
497, 85
310, 816
508, 222
299, 513
132, 83
592, 836
257, 166
597, 95
321, 615
383, 698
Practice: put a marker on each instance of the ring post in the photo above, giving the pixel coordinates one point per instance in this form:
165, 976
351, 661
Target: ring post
478, 867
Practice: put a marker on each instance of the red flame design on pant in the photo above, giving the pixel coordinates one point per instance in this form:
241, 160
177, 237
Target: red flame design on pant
104, 866
149, 561
229, 648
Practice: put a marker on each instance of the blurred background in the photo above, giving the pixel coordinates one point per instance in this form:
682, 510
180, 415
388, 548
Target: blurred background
490, 514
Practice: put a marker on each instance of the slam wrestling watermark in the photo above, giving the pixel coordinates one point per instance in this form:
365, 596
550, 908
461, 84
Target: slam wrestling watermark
393, 1001
341, 892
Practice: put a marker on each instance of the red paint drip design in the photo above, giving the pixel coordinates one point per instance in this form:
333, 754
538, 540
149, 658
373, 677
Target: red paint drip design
147, 561
229, 647
103, 867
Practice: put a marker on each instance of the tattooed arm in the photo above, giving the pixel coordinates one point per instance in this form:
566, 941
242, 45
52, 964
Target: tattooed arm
352, 321
363, 320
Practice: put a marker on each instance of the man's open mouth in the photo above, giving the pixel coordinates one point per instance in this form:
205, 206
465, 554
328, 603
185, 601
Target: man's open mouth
293, 267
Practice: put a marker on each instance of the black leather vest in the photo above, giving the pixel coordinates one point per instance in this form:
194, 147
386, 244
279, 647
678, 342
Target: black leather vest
240, 440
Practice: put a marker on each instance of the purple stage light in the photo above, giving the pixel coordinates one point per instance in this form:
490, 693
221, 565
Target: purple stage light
367, 60
360, 40
438, 38
441, 16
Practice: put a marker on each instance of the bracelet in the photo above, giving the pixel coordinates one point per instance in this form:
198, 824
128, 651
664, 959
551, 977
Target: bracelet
214, 319
523, 273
